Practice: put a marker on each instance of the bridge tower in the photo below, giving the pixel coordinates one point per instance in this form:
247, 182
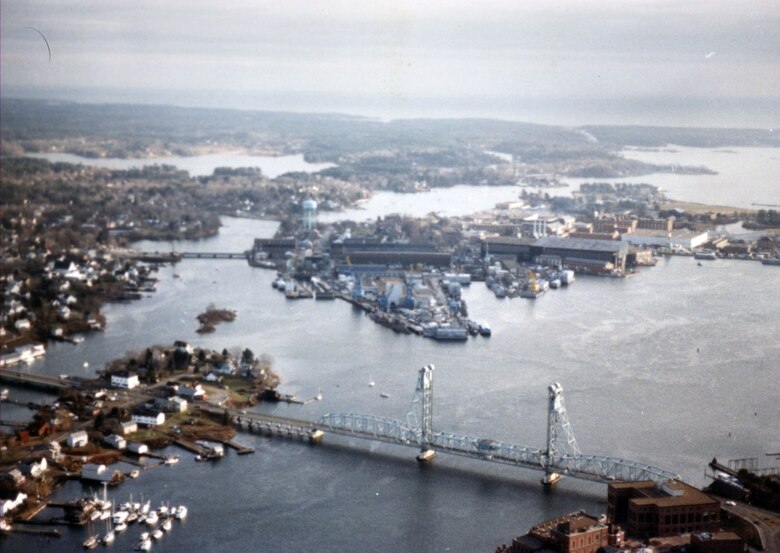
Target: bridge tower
423, 395
560, 438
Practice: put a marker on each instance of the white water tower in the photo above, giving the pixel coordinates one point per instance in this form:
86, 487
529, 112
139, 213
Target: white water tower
309, 213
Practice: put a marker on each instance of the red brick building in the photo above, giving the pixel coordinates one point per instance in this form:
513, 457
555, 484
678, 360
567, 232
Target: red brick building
717, 542
647, 509
572, 533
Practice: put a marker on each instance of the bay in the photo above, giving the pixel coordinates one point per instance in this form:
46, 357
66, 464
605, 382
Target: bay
745, 176
197, 166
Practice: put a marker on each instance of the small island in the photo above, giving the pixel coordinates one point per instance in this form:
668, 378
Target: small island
210, 318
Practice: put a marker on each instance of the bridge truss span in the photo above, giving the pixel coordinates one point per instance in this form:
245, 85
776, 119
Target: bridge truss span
560, 457
489, 450
597, 467
369, 427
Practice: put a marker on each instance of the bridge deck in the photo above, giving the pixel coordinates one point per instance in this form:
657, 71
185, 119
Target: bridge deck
33, 380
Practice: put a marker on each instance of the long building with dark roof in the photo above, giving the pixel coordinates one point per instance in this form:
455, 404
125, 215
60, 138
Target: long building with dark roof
583, 254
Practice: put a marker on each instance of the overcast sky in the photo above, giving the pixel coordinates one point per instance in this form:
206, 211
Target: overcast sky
405, 50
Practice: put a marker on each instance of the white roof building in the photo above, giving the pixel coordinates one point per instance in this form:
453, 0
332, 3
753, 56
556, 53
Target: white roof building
77, 439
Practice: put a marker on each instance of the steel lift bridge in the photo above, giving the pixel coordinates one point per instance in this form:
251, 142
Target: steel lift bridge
562, 456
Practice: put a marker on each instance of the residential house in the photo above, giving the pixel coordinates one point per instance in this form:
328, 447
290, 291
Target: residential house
8, 504
147, 417
14, 477
226, 368
125, 380
138, 449
212, 377
22, 324
77, 439
35, 469
176, 405
115, 441
192, 392
129, 427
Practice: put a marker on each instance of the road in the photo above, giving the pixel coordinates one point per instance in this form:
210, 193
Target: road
766, 522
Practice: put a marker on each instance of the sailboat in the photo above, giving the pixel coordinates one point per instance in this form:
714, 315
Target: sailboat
92, 539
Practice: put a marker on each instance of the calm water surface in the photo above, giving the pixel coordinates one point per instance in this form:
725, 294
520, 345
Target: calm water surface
746, 176
671, 367
199, 166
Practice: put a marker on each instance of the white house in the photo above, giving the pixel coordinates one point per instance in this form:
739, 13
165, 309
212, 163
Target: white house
115, 441
176, 404
149, 418
22, 324
129, 427
191, 392
125, 380
226, 368
8, 505
36, 469
138, 449
77, 439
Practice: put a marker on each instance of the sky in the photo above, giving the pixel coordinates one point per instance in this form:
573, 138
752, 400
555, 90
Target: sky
434, 55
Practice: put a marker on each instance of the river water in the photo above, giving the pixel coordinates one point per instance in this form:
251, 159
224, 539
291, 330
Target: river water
745, 176
671, 367
197, 166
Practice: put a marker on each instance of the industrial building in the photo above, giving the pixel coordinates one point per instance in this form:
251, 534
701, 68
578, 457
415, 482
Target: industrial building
681, 238
581, 254
375, 252
276, 248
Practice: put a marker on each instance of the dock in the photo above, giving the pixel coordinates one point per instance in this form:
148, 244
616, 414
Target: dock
240, 449
190, 446
35, 531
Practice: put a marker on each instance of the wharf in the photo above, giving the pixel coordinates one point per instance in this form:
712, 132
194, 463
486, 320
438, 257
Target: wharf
35, 531
240, 449
190, 446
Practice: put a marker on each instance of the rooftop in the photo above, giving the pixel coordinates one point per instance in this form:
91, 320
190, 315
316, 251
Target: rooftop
671, 493
586, 244
566, 524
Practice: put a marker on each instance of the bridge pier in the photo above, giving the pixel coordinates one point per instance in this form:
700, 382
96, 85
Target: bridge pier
426, 456
550, 479
315, 437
